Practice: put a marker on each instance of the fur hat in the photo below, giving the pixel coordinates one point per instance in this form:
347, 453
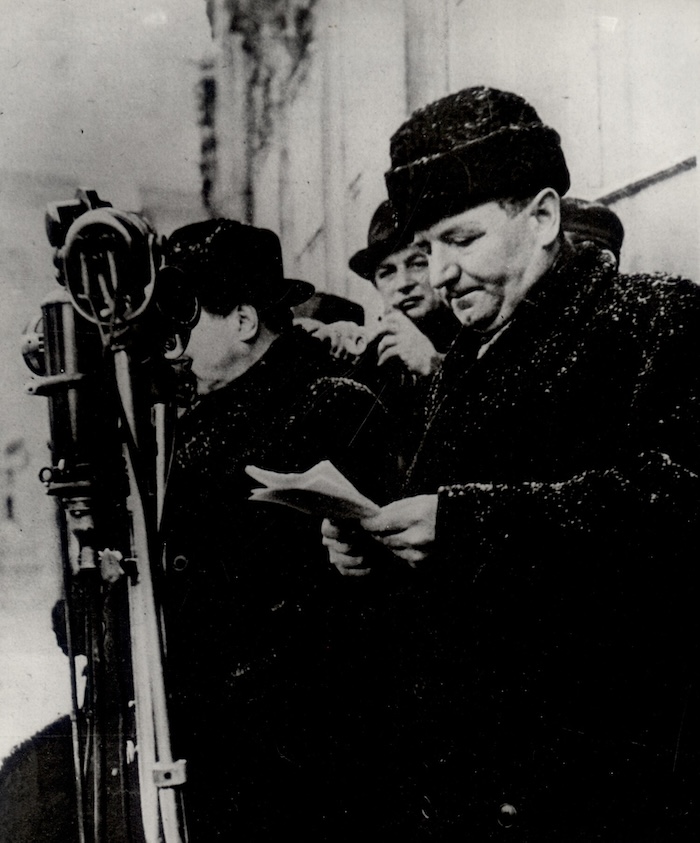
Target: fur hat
469, 148
385, 236
592, 221
230, 263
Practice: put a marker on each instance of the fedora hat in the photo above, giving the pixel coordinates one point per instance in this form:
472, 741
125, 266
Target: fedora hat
230, 263
385, 236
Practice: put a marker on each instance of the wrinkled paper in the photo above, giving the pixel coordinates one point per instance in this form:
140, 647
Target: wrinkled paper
322, 491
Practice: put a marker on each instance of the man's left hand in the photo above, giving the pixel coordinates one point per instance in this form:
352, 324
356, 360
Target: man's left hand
406, 527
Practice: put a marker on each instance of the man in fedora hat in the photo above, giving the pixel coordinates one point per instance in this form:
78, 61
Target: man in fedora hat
415, 331
550, 650
417, 328
254, 629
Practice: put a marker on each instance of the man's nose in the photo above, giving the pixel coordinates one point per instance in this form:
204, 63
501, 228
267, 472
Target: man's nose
443, 268
403, 281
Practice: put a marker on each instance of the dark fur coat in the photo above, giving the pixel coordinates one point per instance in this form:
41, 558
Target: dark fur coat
552, 662
269, 650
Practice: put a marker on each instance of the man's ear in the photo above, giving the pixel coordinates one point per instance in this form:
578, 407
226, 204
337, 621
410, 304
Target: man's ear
546, 216
248, 322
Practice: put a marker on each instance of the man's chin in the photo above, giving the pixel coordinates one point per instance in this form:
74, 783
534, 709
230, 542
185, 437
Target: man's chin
417, 311
207, 385
470, 316
461, 312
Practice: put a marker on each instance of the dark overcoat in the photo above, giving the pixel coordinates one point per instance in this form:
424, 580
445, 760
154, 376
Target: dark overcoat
552, 663
269, 650
401, 390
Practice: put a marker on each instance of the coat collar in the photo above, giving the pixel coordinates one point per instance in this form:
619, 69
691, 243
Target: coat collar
559, 294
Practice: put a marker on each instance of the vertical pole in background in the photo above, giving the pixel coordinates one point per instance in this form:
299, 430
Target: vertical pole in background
334, 193
427, 53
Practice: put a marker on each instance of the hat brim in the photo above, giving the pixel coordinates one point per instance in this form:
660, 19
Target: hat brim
365, 262
297, 291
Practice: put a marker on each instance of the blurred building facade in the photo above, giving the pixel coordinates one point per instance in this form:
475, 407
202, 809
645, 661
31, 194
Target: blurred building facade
302, 96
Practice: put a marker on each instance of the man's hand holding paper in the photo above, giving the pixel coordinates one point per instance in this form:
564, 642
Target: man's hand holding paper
405, 527
351, 521
344, 541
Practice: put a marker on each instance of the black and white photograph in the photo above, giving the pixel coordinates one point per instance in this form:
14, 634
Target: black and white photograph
350, 421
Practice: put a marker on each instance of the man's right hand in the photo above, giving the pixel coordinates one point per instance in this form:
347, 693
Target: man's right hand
343, 551
404, 340
345, 340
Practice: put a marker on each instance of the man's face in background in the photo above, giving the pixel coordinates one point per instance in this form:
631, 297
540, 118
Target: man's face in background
403, 281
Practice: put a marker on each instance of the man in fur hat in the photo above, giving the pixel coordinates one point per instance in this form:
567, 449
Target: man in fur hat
255, 634
549, 656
